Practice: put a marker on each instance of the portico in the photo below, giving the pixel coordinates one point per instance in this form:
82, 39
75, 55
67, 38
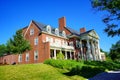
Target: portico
89, 46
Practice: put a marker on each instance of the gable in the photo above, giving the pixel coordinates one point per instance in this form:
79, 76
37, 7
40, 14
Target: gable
93, 34
32, 25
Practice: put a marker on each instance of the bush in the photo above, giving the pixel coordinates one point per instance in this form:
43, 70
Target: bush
63, 64
60, 56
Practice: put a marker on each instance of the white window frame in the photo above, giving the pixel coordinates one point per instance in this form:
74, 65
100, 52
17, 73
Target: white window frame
36, 55
20, 58
36, 41
63, 34
31, 31
48, 29
71, 43
57, 31
27, 57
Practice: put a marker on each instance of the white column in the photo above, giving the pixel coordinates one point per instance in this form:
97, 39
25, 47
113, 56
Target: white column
54, 53
99, 54
65, 54
88, 50
81, 49
93, 50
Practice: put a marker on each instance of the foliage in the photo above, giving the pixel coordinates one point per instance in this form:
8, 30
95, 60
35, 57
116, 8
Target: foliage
2, 49
60, 56
106, 55
112, 7
115, 51
63, 64
18, 44
109, 65
85, 69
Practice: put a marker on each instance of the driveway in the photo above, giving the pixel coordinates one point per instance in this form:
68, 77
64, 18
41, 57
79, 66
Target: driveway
111, 75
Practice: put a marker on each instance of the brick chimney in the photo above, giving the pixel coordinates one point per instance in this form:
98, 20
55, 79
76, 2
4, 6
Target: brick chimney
62, 23
82, 30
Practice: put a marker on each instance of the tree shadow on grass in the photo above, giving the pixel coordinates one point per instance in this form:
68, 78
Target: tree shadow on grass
85, 71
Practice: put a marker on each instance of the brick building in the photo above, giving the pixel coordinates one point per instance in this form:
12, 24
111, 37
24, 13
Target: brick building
47, 42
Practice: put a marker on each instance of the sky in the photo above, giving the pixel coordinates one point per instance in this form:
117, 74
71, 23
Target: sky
16, 14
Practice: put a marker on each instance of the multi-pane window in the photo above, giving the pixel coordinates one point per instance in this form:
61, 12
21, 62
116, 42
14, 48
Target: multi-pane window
56, 31
63, 34
48, 29
20, 58
36, 41
71, 43
31, 31
27, 56
36, 55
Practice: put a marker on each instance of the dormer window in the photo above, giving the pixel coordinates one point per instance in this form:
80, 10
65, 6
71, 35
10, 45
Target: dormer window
63, 34
31, 31
48, 29
57, 31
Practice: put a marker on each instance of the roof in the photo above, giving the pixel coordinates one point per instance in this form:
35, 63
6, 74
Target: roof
39, 25
43, 28
86, 32
72, 31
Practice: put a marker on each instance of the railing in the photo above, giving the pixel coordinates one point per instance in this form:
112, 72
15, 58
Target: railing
61, 46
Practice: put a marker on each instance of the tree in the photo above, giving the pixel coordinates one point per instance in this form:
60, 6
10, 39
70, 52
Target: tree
18, 44
115, 51
60, 56
2, 49
112, 19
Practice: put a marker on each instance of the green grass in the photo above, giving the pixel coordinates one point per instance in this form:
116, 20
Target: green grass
86, 69
34, 72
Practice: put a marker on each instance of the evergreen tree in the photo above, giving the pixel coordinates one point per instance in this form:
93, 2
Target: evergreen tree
115, 51
18, 44
2, 49
112, 18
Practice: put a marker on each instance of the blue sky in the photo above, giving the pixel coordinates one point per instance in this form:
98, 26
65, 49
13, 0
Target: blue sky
16, 14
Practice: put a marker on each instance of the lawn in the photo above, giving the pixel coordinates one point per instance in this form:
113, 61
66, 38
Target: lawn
34, 72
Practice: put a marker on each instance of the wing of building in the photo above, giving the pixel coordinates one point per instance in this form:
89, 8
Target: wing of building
47, 42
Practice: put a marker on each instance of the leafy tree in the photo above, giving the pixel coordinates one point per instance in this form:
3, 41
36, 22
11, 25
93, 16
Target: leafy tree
60, 56
18, 44
2, 49
112, 19
115, 51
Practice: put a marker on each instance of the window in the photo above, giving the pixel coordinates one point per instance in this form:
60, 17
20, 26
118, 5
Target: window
63, 34
27, 56
71, 43
20, 58
31, 31
48, 29
36, 55
56, 31
36, 41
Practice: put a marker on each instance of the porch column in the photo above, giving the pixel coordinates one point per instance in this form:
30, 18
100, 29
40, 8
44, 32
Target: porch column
65, 54
81, 49
54, 53
93, 50
88, 50
98, 50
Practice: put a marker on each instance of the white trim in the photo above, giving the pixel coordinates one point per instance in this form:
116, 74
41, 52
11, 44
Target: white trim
54, 35
27, 28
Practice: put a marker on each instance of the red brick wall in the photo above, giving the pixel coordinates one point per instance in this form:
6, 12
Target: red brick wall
9, 59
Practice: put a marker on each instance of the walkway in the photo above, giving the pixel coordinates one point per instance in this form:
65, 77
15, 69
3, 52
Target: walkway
111, 75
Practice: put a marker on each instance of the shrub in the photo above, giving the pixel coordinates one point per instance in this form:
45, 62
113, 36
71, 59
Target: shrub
60, 56
63, 64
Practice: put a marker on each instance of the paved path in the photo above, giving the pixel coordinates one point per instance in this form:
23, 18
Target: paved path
111, 75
